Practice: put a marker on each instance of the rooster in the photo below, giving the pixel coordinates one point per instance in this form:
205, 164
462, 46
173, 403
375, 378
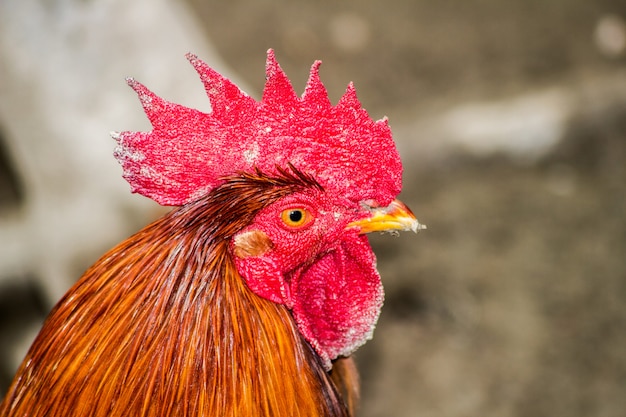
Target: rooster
249, 297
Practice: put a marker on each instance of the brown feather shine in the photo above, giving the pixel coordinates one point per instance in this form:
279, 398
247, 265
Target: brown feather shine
163, 325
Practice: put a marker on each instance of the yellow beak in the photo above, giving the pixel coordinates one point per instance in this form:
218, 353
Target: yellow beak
396, 216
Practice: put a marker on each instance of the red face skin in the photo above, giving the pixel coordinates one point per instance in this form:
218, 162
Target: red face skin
322, 269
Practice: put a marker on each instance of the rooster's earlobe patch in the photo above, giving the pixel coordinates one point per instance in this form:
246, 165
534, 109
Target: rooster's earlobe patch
251, 243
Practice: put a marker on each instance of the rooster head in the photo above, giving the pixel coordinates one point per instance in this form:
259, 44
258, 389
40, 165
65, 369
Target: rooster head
308, 250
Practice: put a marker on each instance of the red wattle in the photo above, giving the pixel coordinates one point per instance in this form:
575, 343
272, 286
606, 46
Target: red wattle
337, 300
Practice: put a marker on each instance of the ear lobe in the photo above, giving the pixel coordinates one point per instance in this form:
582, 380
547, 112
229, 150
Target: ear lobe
251, 243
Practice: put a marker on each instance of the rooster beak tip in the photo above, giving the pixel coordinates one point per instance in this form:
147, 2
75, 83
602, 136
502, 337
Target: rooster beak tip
417, 226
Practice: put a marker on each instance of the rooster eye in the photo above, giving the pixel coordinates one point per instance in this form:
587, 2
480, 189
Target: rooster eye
296, 218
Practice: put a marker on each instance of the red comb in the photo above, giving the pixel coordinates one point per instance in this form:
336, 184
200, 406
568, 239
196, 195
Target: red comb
188, 152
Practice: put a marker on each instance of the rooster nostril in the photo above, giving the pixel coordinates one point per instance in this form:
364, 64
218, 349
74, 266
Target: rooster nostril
370, 204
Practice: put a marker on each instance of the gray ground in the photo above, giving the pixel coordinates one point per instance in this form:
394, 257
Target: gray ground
513, 302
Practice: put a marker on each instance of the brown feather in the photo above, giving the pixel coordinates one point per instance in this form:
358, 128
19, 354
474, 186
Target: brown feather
163, 325
346, 378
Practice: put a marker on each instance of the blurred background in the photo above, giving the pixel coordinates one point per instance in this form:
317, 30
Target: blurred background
510, 117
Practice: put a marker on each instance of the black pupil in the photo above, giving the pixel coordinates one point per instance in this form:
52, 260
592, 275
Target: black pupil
295, 215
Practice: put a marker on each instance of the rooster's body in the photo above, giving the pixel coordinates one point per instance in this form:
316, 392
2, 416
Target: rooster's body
245, 301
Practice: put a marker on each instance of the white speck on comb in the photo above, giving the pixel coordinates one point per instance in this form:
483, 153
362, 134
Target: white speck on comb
123, 153
252, 154
155, 176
